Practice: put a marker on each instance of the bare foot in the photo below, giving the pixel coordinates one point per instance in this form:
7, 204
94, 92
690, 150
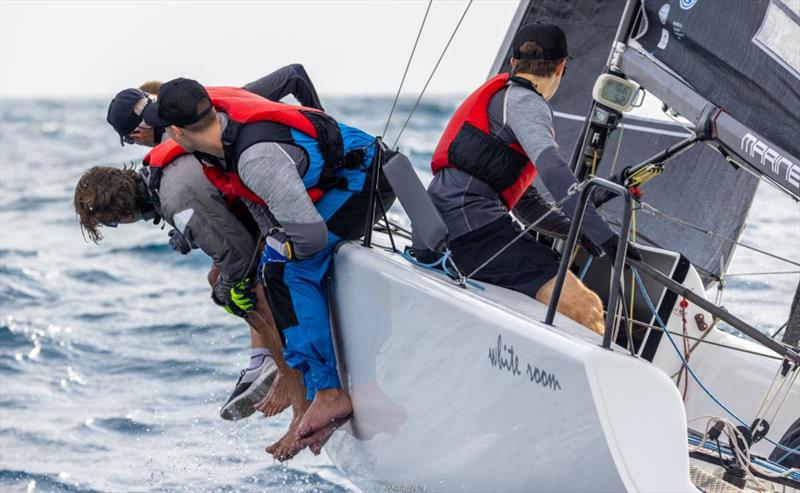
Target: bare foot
316, 441
289, 445
277, 399
328, 406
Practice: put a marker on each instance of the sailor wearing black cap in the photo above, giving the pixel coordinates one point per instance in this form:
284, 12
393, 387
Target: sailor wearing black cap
125, 110
204, 218
311, 172
500, 139
125, 115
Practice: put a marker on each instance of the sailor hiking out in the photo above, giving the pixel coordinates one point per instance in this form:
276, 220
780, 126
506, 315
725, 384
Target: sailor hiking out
311, 173
205, 215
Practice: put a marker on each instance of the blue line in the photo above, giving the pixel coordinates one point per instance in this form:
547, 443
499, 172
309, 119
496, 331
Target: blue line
689, 368
585, 268
773, 466
440, 266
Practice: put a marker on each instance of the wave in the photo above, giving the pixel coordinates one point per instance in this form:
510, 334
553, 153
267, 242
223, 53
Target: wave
12, 339
23, 480
94, 276
181, 330
16, 284
13, 437
149, 249
278, 477
8, 366
11, 252
128, 426
94, 317
31, 203
164, 369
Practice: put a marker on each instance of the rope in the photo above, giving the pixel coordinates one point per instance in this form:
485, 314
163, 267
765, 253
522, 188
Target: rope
633, 291
786, 324
783, 458
684, 304
763, 273
789, 383
441, 266
743, 457
699, 340
556, 206
702, 338
652, 210
585, 268
416, 103
408, 65
691, 371
616, 153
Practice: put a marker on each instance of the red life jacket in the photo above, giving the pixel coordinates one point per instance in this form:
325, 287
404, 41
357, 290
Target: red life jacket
468, 145
242, 107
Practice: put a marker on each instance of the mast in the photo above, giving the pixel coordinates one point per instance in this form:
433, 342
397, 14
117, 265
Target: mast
505, 47
791, 335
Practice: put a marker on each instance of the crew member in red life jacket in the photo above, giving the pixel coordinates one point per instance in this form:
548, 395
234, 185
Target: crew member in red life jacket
286, 157
499, 140
206, 218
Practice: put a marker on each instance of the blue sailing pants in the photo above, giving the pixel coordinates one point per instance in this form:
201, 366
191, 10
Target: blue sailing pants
297, 290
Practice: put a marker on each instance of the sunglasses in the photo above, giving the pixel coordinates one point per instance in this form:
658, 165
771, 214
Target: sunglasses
128, 139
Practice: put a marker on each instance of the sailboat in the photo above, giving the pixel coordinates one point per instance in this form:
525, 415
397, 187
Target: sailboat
463, 386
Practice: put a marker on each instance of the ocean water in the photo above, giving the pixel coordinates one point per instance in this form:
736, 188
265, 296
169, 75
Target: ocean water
113, 360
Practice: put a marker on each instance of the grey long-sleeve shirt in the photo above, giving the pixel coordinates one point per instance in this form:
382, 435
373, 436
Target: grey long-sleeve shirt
273, 171
193, 206
520, 116
197, 209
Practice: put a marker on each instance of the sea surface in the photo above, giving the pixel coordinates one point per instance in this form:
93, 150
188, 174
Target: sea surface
113, 360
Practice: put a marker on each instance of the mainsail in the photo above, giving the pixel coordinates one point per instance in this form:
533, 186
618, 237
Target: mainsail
700, 186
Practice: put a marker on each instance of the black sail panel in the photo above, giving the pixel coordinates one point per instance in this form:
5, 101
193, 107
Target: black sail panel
742, 55
698, 187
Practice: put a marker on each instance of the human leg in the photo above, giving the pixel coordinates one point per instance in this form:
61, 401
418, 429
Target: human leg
261, 377
255, 381
287, 389
577, 302
257, 341
298, 287
526, 266
344, 212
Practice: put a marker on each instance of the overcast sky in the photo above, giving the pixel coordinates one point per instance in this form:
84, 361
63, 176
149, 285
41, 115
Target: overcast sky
95, 48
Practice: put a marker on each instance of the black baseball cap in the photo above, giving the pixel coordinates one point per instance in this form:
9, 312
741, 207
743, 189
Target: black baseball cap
120, 112
549, 36
181, 102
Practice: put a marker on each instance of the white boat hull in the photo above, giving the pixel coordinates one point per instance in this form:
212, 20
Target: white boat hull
467, 390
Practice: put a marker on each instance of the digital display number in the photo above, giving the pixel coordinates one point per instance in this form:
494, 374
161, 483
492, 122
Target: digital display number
616, 93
